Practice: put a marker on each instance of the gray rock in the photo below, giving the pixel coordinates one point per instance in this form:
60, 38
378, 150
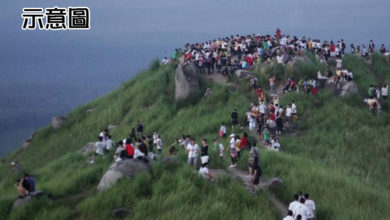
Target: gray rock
57, 122
26, 143
348, 88
121, 212
274, 182
90, 110
187, 80
122, 169
21, 201
88, 148
207, 93
169, 160
112, 126
243, 73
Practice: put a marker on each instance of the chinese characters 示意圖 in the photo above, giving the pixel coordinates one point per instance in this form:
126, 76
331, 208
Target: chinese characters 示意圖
56, 18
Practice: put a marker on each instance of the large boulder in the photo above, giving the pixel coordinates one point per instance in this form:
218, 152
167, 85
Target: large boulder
272, 183
122, 169
187, 80
88, 148
57, 122
21, 201
27, 142
348, 88
243, 74
121, 212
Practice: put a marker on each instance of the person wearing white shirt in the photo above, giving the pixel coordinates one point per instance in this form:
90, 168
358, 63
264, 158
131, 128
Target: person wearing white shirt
294, 111
109, 143
288, 111
289, 216
311, 206
192, 149
205, 172
138, 154
262, 108
275, 144
279, 59
223, 130
301, 209
384, 91
100, 146
159, 144
294, 203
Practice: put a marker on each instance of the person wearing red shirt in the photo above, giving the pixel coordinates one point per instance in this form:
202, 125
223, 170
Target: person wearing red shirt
249, 60
278, 33
272, 115
259, 92
244, 141
129, 149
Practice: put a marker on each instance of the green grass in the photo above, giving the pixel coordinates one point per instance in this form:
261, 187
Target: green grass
341, 159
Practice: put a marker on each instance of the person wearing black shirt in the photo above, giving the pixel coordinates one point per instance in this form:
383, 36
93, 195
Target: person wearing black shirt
140, 129
204, 152
142, 147
234, 117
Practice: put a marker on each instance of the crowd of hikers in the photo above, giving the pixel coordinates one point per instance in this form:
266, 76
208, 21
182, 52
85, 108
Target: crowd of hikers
376, 94
224, 55
265, 117
301, 208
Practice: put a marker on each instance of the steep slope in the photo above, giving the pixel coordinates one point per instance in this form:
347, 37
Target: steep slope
341, 159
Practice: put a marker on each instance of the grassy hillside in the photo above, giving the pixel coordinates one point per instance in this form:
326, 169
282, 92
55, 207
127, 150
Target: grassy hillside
341, 159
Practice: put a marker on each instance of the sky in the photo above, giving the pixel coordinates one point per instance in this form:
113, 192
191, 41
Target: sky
48, 73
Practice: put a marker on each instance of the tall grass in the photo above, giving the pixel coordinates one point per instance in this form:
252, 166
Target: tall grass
341, 159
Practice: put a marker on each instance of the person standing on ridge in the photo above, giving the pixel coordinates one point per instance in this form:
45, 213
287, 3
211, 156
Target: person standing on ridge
140, 129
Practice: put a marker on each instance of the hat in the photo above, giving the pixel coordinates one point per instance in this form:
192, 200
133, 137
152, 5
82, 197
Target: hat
13, 163
232, 135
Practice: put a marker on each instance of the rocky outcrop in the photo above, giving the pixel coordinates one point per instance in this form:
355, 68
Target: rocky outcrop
272, 183
122, 169
27, 142
348, 88
187, 80
207, 93
121, 212
21, 201
112, 127
91, 110
57, 122
243, 74
88, 148
342, 89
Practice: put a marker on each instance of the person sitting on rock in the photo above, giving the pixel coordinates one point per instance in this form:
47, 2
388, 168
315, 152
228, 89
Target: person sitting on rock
205, 172
142, 147
100, 146
25, 185
138, 154
129, 149
109, 143
31, 180
22, 186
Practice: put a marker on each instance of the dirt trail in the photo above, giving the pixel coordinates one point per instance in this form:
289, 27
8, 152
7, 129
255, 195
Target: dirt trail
245, 179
